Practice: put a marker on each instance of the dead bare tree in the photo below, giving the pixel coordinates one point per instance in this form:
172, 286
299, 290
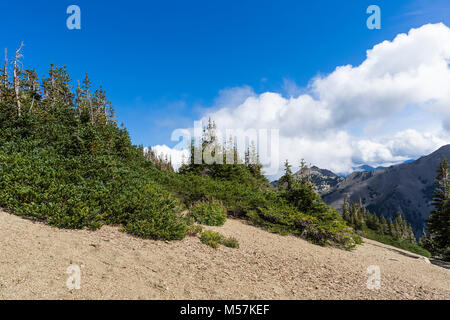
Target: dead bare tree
32, 86
5, 69
16, 77
4, 74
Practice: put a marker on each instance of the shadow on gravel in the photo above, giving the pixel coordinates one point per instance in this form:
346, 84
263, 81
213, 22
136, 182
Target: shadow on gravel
436, 262
414, 256
440, 263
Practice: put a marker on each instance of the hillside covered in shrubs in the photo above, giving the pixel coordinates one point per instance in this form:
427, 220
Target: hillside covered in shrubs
65, 161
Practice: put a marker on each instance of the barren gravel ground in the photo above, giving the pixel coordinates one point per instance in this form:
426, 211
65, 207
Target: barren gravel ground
34, 258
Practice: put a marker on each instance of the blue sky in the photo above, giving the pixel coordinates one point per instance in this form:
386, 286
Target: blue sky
163, 63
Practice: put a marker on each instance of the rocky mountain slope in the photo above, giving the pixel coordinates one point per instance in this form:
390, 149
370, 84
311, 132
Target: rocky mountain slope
406, 187
114, 265
323, 179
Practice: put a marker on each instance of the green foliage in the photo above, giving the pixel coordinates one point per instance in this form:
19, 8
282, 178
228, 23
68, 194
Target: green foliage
159, 161
359, 218
193, 230
211, 238
210, 213
325, 229
214, 239
297, 210
438, 240
230, 242
301, 211
156, 218
65, 161
227, 163
389, 240
397, 233
68, 164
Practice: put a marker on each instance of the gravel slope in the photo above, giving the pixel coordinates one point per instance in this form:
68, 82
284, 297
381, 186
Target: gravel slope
34, 258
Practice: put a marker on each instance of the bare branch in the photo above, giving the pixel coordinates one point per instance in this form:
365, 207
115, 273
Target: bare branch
16, 77
5, 68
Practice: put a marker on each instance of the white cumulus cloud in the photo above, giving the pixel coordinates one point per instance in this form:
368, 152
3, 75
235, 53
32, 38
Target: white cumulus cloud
358, 114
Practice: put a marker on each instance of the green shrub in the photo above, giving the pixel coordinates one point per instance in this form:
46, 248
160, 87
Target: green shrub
326, 228
157, 219
446, 254
230, 242
210, 213
212, 243
193, 230
211, 238
95, 179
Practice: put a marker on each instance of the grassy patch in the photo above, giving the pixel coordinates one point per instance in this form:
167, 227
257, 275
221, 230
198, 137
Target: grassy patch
230, 242
214, 239
211, 238
194, 230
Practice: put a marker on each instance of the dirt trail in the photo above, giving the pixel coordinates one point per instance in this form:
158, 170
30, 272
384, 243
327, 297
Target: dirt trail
34, 258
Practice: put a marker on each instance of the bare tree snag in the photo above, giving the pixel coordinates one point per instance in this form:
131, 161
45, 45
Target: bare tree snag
4, 79
5, 69
32, 86
16, 77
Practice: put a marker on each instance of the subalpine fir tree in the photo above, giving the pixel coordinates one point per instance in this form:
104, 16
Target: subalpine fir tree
100, 105
160, 161
57, 89
372, 221
384, 225
305, 176
287, 180
391, 228
31, 90
84, 100
410, 235
252, 160
357, 219
345, 211
439, 220
398, 226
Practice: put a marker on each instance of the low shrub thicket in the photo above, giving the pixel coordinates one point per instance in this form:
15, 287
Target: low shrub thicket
210, 213
64, 160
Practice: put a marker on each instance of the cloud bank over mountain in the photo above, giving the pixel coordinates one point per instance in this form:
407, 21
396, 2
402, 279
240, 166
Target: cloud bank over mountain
394, 106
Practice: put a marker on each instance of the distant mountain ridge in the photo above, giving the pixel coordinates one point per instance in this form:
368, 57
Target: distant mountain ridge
323, 179
365, 167
406, 187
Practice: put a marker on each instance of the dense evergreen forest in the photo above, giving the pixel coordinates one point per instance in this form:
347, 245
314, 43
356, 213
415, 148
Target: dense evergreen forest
64, 160
397, 232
